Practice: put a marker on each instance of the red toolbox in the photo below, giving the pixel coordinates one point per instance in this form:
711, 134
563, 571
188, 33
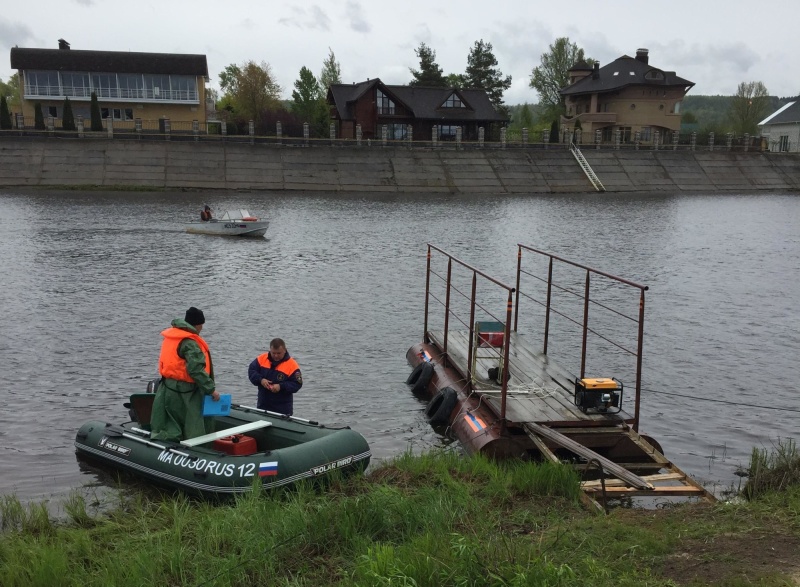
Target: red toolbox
238, 444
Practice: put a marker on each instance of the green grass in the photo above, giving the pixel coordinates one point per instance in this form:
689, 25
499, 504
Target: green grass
430, 520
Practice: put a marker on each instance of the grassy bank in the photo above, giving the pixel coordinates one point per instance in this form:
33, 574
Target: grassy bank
433, 520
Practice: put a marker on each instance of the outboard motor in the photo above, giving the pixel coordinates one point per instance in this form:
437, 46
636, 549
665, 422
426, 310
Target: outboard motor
152, 385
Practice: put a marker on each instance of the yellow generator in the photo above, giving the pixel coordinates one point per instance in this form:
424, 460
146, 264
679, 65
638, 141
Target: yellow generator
599, 394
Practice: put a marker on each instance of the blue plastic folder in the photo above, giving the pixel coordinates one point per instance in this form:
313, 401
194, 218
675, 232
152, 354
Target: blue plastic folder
220, 408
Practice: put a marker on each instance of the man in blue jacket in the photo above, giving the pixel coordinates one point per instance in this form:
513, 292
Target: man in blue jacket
278, 378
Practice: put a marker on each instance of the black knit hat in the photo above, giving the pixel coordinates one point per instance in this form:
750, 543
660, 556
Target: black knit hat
195, 317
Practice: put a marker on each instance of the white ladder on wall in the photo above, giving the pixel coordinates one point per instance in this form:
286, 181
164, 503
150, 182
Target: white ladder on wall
587, 169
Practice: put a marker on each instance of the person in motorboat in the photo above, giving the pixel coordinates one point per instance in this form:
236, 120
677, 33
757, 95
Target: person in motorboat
278, 378
187, 376
205, 214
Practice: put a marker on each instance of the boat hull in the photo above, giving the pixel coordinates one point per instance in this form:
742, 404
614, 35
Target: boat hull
244, 228
288, 451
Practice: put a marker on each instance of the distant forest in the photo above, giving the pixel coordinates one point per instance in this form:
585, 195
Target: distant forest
700, 113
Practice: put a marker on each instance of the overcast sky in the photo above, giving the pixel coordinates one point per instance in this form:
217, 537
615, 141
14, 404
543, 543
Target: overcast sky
715, 43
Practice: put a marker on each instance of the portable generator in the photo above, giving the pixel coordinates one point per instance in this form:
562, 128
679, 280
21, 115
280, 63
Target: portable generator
599, 394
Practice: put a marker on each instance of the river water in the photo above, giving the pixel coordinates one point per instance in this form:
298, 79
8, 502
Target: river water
89, 279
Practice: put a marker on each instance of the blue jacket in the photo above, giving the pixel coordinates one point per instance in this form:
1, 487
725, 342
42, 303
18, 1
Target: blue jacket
282, 402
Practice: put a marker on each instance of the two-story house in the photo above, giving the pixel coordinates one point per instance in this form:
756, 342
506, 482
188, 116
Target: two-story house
128, 85
627, 95
373, 104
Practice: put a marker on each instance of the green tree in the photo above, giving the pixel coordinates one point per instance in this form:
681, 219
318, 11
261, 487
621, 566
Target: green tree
97, 119
308, 103
482, 72
553, 74
38, 117
10, 90
554, 132
689, 118
526, 116
5, 115
749, 106
251, 88
67, 118
429, 74
331, 72
456, 80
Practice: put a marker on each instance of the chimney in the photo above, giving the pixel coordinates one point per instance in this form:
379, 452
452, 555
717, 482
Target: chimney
63, 45
641, 55
596, 70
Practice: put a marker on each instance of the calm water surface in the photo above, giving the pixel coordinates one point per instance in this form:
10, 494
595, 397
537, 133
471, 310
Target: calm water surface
90, 279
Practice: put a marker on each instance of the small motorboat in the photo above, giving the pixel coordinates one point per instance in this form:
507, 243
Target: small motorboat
231, 223
249, 444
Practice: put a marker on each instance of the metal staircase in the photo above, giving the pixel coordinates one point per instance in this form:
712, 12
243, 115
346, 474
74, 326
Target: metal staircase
587, 169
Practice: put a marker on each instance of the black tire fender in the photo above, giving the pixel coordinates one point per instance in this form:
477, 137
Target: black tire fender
420, 377
441, 405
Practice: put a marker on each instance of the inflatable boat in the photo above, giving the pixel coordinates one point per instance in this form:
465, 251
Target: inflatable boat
250, 448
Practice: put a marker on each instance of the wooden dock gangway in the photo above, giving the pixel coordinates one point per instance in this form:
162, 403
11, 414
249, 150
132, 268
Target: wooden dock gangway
507, 381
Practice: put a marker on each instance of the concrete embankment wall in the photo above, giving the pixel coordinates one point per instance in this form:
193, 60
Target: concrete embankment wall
178, 164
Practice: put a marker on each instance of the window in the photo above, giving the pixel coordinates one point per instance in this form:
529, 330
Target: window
396, 132
453, 102
104, 85
75, 83
385, 105
783, 143
448, 132
184, 87
42, 83
646, 133
156, 87
677, 108
104, 112
654, 74
129, 114
131, 86
624, 134
52, 111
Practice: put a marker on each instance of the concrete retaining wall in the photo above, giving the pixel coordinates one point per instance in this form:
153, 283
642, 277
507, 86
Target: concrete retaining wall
174, 164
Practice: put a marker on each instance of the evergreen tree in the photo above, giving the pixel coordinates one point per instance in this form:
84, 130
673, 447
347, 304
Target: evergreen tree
429, 74
482, 73
67, 118
308, 103
38, 117
331, 72
97, 119
525, 116
5, 115
554, 132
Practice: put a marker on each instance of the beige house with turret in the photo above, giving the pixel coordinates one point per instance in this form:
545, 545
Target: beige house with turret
628, 95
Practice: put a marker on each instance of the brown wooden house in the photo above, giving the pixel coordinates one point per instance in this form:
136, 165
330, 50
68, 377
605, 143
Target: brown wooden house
373, 104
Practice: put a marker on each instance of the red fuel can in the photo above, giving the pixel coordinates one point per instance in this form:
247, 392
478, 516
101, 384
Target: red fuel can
238, 444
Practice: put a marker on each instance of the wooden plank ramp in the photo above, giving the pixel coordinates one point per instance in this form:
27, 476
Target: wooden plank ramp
618, 479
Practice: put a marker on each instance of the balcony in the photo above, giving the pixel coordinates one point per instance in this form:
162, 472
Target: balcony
158, 95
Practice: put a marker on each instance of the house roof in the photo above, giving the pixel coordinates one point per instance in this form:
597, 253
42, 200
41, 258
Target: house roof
787, 113
424, 102
622, 72
108, 61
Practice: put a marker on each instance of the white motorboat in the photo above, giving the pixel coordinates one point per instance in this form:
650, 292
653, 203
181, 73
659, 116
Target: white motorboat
232, 223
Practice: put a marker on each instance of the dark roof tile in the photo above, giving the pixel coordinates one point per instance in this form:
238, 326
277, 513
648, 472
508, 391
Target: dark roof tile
108, 61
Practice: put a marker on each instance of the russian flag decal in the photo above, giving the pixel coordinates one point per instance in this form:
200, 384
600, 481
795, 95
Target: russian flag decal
268, 469
475, 423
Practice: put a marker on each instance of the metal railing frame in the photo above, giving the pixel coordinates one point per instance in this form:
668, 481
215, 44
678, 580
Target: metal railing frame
586, 301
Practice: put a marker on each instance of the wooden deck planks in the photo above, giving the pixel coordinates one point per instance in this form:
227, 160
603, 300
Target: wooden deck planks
539, 390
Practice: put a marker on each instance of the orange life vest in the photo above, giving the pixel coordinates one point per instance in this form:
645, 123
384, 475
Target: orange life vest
170, 364
286, 367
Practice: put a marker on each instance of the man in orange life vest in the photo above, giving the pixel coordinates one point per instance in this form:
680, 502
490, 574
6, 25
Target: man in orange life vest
187, 376
278, 378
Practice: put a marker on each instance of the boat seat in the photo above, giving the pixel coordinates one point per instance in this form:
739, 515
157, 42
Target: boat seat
227, 432
141, 407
